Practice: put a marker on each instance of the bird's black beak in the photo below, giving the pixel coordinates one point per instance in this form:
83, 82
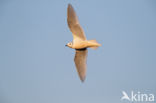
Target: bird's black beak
65, 45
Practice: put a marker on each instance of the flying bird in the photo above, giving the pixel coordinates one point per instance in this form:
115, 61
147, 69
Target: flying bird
79, 43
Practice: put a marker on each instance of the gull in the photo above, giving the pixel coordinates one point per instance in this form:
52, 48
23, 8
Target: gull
79, 43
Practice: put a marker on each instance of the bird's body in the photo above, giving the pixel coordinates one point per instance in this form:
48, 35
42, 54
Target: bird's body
80, 43
85, 44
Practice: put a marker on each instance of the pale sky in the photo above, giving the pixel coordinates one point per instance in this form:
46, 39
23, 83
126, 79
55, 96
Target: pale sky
36, 67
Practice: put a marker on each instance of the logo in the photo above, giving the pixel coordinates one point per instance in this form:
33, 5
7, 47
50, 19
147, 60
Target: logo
137, 97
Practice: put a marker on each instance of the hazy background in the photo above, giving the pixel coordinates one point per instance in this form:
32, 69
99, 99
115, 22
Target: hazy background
36, 67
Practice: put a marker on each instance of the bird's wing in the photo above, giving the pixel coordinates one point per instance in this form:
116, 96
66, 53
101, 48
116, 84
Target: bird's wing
73, 24
80, 63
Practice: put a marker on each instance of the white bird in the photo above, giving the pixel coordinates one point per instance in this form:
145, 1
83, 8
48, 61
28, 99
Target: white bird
80, 43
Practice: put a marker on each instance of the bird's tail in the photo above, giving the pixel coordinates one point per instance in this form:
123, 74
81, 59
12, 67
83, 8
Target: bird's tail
95, 44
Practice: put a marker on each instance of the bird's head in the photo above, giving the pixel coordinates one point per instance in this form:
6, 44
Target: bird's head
70, 44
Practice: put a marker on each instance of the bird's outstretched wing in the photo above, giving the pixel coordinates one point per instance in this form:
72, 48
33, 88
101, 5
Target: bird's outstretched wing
73, 24
80, 62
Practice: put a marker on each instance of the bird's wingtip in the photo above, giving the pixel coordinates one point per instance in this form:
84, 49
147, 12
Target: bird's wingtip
82, 79
69, 5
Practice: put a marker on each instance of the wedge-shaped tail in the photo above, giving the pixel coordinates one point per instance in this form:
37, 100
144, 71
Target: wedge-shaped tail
94, 44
